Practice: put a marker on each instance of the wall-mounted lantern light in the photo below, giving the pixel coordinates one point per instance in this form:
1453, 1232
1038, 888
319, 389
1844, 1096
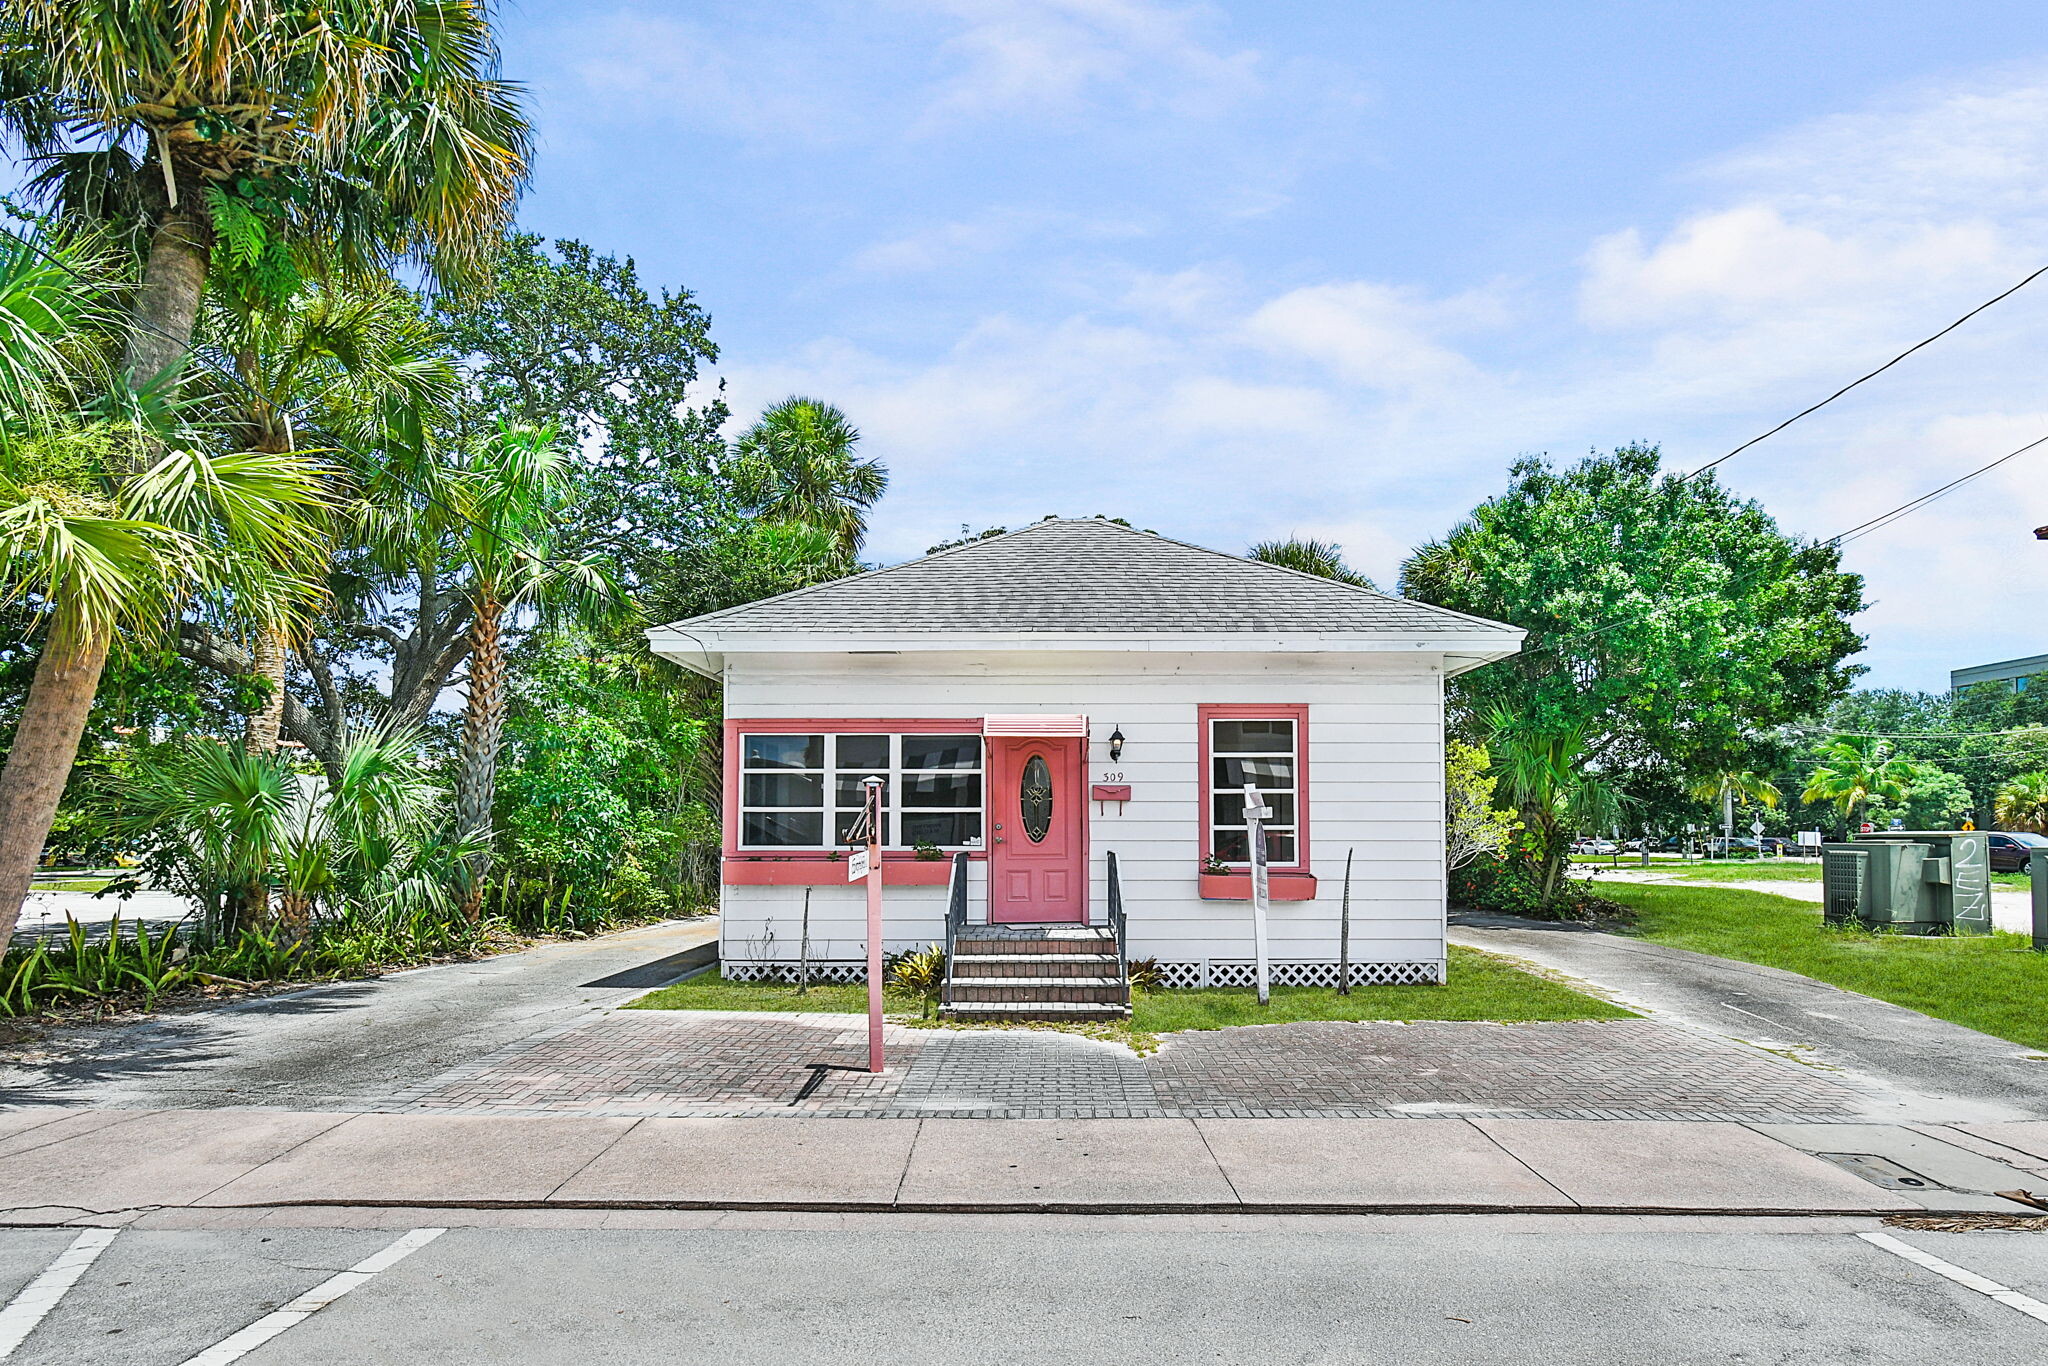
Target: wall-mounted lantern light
1116, 744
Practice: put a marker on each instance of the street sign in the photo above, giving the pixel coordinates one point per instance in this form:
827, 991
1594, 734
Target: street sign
1898, 823
856, 865
1810, 838
1757, 828
1867, 828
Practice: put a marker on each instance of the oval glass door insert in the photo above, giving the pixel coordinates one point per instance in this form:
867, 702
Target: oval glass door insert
1034, 798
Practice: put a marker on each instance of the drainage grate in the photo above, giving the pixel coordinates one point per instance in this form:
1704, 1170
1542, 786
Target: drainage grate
1881, 1171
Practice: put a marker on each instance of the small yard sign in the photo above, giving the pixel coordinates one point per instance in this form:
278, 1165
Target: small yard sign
856, 865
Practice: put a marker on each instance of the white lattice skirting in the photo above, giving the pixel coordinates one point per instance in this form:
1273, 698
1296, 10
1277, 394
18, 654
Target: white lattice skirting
1219, 973
786, 972
1177, 975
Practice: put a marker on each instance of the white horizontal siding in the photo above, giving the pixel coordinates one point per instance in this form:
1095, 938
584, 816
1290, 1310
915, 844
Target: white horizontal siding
1375, 772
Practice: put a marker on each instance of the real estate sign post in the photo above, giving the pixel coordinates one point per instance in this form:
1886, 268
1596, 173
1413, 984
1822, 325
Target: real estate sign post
1255, 813
873, 857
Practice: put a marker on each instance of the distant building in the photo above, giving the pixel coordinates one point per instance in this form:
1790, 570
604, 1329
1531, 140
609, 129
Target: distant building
2013, 671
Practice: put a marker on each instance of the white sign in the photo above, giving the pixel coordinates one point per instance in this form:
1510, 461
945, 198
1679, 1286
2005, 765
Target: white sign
1757, 828
1810, 837
856, 865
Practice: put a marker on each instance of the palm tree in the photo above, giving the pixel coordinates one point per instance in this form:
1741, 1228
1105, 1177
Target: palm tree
346, 365
1542, 773
508, 497
330, 135
2022, 804
1324, 559
1855, 771
797, 464
1728, 787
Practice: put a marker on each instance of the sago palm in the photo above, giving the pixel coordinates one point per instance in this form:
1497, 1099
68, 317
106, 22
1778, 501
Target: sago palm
797, 464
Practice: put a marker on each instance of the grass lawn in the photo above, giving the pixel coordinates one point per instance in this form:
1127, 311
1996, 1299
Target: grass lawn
1482, 987
1801, 870
1992, 983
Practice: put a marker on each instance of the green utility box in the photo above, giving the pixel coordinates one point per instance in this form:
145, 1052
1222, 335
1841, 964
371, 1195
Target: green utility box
1912, 881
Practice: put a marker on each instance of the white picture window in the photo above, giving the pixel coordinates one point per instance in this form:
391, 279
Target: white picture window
805, 791
1266, 752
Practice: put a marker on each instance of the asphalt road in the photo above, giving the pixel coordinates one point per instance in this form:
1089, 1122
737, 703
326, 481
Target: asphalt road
346, 1044
1923, 1069
1445, 1290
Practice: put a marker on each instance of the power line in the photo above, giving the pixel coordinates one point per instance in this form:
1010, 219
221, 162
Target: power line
1926, 341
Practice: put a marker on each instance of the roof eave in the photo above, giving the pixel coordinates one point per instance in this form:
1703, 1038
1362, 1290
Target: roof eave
706, 651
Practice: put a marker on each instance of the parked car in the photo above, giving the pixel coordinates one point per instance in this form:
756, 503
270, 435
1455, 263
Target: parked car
2010, 850
1742, 846
1598, 847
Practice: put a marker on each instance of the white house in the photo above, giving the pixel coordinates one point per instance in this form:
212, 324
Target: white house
1042, 699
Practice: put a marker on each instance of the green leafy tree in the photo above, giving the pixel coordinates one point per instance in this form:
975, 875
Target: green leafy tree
1543, 775
1472, 827
570, 338
1669, 622
1324, 559
1934, 799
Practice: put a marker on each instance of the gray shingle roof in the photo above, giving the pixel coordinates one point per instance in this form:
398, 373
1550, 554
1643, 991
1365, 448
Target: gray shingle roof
1080, 576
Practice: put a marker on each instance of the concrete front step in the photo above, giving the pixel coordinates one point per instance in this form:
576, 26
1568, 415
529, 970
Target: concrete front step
1033, 1010
1045, 983
1037, 993
1009, 960
1034, 970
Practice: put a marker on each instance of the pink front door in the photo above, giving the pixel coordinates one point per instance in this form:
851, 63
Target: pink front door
1038, 844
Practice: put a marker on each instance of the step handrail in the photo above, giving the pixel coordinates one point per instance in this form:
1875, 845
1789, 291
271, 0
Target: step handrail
956, 921
1117, 924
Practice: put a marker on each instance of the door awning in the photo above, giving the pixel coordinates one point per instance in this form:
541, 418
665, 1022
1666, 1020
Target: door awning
1035, 723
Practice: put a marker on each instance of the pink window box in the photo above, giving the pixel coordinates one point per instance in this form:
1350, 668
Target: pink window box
1280, 886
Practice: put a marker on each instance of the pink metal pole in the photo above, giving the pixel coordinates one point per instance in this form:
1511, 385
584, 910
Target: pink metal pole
874, 786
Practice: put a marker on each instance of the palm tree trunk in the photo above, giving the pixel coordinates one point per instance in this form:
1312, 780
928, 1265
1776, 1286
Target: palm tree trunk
45, 744
68, 673
259, 736
483, 729
167, 302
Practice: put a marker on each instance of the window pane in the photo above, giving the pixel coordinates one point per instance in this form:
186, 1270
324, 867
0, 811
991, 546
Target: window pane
1279, 847
939, 827
783, 751
1235, 773
1252, 737
868, 753
1230, 846
852, 791
942, 751
1229, 808
940, 789
784, 789
783, 828
843, 825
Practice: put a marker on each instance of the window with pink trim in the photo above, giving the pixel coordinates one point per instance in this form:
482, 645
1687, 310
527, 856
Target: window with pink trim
797, 787
1267, 747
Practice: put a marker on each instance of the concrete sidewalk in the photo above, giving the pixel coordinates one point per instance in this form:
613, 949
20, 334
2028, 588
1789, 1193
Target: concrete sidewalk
111, 1166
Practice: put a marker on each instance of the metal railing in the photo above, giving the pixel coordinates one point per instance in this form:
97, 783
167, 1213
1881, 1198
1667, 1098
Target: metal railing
1117, 925
956, 921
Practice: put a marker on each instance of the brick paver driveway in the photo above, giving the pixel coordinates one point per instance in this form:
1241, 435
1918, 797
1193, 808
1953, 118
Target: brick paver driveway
714, 1063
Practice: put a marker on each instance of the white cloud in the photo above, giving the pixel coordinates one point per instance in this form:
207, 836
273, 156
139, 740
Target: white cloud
1059, 56
1374, 334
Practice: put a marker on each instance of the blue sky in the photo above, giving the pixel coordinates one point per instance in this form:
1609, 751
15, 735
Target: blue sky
1243, 270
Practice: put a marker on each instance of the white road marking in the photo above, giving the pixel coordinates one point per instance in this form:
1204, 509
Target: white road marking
239, 1344
40, 1295
2005, 1295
